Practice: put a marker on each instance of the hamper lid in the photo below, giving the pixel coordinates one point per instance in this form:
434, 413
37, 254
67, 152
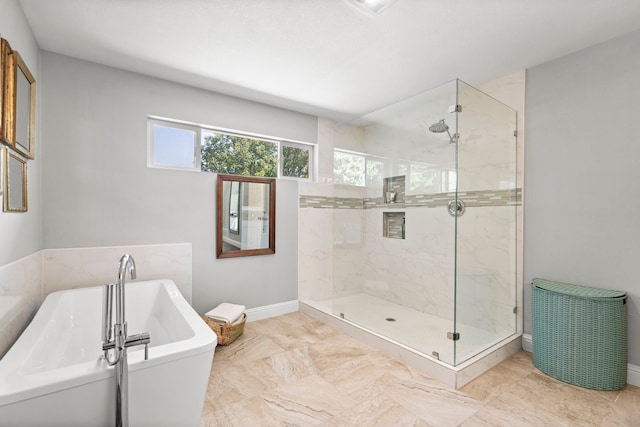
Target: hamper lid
576, 290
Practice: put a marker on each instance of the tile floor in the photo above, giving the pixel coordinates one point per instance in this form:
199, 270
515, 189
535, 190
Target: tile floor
293, 370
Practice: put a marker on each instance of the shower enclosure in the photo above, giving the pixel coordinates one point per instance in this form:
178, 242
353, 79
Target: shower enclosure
413, 237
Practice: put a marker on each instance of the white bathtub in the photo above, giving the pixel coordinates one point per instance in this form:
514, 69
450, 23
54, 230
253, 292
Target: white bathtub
54, 375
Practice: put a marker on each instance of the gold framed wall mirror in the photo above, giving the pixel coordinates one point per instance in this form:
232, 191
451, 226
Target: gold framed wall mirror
4, 59
245, 216
14, 168
20, 105
18, 102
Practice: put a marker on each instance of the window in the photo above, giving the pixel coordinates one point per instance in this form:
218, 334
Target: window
359, 169
296, 160
199, 148
424, 178
348, 168
173, 146
374, 170
239, 155
351, 168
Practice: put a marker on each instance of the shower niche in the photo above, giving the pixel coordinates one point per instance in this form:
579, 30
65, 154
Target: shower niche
394, 189
393, 225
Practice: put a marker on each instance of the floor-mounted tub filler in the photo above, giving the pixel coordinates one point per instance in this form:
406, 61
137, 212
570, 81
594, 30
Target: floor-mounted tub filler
56, 373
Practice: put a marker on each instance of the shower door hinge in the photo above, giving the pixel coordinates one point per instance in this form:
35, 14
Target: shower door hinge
455, 336
515, 133
455, 108
515, 310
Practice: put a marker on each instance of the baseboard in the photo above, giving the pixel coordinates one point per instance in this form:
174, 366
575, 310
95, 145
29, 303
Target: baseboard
266, 311
633, 371
527, 343
633, 375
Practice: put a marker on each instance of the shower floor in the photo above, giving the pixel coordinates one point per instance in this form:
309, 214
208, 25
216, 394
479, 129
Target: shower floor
420, 331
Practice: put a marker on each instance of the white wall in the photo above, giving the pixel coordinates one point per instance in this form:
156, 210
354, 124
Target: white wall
582, 204
21, 232
98, 191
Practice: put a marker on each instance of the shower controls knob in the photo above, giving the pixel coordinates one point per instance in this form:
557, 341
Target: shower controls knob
456, 207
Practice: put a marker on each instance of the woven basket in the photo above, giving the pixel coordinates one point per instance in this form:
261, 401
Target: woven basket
580, 334
228, 332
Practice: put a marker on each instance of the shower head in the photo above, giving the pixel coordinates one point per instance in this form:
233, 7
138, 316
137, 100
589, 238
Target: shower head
441, 127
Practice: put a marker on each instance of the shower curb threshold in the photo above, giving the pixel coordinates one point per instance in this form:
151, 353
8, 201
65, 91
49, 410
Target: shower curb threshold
453, 376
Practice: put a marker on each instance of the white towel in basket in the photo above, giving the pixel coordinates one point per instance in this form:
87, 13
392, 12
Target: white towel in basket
226, 313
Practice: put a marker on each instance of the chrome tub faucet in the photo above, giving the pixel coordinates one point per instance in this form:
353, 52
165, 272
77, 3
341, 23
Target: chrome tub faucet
114, 337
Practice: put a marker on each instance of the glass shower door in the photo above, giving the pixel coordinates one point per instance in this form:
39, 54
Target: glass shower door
393, 255
485, 283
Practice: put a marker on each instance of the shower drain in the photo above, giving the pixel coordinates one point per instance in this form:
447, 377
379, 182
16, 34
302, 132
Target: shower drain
390, 319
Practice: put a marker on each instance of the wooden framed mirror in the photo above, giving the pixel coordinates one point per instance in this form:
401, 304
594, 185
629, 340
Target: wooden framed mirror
14, 167
245, 216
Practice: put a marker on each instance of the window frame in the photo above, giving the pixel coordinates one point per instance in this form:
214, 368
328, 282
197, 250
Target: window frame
366, 158
210, 130
300, 145
445, 183
202, 130
151, 122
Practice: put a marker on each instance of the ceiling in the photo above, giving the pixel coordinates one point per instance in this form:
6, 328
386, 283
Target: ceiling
325, 57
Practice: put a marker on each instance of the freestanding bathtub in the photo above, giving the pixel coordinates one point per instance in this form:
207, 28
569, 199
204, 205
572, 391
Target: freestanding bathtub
54, 374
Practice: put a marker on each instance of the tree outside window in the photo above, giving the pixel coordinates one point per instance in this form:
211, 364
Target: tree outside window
295, 161
236, 155
193, 147
357, 169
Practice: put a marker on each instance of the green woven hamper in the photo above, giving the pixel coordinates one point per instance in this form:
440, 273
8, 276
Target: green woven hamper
580, 334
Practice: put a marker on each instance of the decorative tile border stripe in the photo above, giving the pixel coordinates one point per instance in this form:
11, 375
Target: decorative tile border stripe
324, 202
511, 197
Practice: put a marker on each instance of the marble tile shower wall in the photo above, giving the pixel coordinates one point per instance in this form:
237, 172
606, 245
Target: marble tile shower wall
315, 255
327, 261
418, 272
415, 272
486, 259
25, 282
487, 152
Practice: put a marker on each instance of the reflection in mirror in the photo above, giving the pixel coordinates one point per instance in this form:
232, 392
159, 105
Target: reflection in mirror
15, 182
234, 206
245, 216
